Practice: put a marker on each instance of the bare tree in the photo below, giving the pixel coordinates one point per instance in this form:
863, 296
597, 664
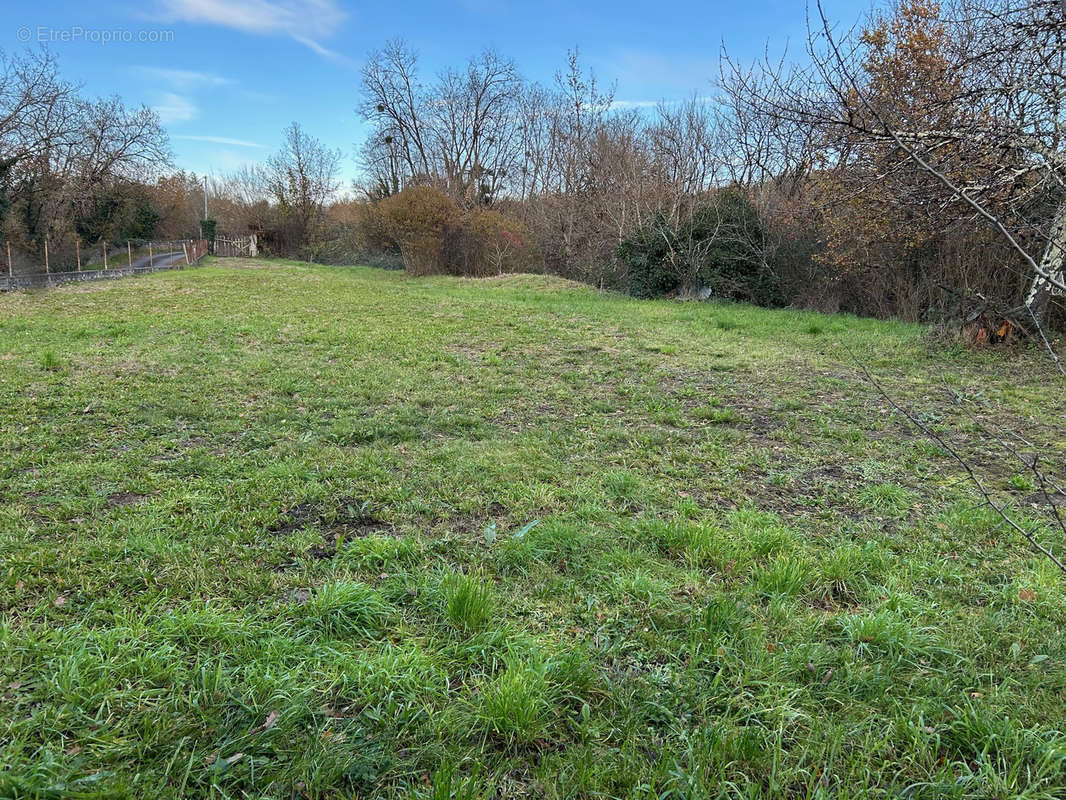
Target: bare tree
987, 135
31, 95
62, 155
301, 177
474, 127
113, 144
461, 133
393, 100
986, 142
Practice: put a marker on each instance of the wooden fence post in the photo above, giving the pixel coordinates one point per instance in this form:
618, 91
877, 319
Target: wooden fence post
77, 252
10, 271
129, 254
185, 250
151, 263
105, 256
46, 269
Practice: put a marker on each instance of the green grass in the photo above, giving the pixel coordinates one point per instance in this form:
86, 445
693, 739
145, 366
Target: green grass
305, 532
468, 604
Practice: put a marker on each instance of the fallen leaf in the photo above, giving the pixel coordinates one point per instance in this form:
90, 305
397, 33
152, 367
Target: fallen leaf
1027, 595
233, 759
60, 601
272, 718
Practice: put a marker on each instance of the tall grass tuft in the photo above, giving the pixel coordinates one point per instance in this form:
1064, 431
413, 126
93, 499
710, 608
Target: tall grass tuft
517, 704
468, 602
347, 608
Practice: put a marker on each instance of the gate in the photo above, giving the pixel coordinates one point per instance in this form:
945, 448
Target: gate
235, 246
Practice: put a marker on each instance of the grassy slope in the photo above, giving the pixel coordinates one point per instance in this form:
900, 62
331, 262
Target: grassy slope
262, 535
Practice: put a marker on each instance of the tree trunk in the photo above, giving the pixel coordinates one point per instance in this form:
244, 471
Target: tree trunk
1051, 264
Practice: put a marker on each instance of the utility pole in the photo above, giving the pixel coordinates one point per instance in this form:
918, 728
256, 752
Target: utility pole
205, 199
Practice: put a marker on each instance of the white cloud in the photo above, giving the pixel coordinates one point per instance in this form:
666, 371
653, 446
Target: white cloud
624, 104
184, 78
634, 104
306, 21
173, 108
220, 140
325, 52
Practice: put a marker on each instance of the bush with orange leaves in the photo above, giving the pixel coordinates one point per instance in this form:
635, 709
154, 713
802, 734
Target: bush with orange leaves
436, 237
419, 220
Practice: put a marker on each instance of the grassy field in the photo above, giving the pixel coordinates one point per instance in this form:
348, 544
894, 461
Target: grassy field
295, 532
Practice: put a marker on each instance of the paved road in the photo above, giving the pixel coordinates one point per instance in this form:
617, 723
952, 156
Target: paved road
169, 259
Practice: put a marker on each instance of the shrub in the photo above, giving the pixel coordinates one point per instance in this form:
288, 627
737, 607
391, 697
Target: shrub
718, 247
493, 244
357, 233
646, 256
418, 219
733, 265
435, 237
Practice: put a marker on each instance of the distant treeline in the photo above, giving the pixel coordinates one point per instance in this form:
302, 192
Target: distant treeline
782, 189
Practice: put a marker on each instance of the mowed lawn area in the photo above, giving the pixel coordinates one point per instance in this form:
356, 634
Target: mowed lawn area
274, 530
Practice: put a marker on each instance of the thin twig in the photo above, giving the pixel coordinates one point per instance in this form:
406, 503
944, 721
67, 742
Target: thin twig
953, 452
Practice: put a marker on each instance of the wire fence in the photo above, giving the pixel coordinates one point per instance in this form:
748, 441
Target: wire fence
103, 263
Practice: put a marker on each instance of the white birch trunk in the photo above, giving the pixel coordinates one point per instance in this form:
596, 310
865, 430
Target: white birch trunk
1051, 266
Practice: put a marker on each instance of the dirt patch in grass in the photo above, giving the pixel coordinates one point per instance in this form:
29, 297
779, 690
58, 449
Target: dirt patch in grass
300, 596
121, 499
1056, 499
340, 520
295, 517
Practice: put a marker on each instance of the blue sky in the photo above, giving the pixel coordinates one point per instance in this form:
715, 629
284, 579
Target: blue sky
226, 76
